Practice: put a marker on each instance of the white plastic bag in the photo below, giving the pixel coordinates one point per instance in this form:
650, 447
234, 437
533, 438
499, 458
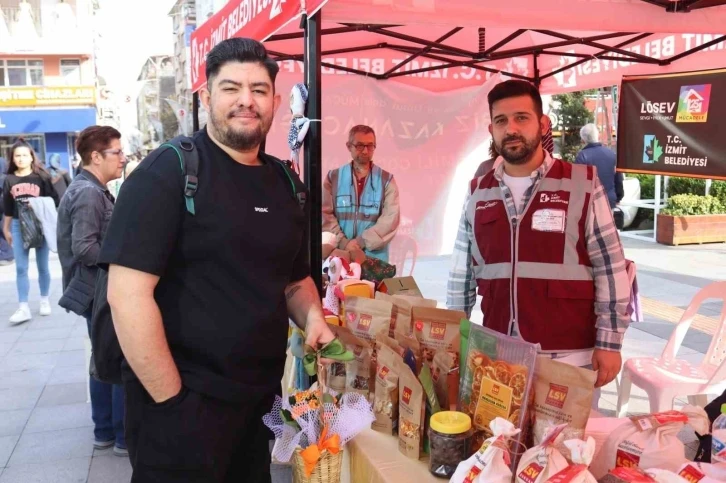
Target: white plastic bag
664, 476
582, 453
650, 441
703, 472
541, 462
491, 463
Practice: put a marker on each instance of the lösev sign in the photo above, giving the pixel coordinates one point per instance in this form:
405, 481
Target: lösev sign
672, 124
47, 96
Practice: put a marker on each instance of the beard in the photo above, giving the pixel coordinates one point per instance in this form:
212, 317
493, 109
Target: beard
519, 154
239, 139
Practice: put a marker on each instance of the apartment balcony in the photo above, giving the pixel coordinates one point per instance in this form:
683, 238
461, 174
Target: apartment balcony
60, 29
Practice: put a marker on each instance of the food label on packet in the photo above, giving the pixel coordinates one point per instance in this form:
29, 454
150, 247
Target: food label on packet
530, 473
718, 447
691, 474
626, 459
495, 400
652, 421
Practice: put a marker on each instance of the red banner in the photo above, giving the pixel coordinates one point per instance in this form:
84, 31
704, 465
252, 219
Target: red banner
256, 19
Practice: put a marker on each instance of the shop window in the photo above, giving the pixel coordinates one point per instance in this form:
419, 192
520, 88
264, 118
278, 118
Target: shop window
70, 70
21, 73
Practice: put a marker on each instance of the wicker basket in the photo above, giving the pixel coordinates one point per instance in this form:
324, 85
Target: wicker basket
326, 471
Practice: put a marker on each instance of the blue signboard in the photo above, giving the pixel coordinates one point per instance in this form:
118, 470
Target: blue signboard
29, 121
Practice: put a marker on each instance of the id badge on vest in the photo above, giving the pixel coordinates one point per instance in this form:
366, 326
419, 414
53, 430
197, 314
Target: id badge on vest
549, 220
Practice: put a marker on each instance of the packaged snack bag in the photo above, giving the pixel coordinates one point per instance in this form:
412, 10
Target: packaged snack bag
581, 454
402, 306
366, 317
543, 461
665, 476
562, 395
436, 330
445, 373
357, 372
411, 414
385, 401
491, 464
626, 475
496, 381
650, 441
703, 472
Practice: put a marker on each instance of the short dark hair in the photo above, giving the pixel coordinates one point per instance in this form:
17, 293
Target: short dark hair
515, 88
239, 50
360, 129
95, 138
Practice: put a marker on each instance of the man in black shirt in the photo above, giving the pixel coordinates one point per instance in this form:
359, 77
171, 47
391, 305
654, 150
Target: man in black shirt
200, 302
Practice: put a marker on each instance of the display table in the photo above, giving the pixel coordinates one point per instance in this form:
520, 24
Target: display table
373, 457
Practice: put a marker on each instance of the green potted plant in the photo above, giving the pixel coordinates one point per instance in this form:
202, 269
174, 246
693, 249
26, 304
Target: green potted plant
691, 219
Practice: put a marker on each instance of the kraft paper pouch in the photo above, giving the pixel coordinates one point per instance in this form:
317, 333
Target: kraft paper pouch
411, 414
445, 373
385, 402
437, 330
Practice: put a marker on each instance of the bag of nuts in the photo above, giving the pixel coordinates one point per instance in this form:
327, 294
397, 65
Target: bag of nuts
411, 414
401, 316
357, 372
445, 373
385, 401
437, 330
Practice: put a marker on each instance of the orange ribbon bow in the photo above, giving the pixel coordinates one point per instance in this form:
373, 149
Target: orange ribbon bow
312, 454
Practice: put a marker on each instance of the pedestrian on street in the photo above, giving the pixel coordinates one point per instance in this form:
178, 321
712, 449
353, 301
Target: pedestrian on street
83, 217
26, 179
200, 302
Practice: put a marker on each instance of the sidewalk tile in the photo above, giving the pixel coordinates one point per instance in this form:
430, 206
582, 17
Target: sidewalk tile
38, 346
10, 337
71, 358
7, 445
53, 446
75, 344
52, 418
79, 330
5, 348
70, 471
19, 397
18, 362
27, 377
109, 469
46, 334
62, 394
68, 375
13, 422
51, 323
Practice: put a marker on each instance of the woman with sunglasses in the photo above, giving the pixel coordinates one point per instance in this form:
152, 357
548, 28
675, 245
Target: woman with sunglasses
26, 178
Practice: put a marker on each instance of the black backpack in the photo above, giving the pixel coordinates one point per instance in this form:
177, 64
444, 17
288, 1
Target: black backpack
106, 355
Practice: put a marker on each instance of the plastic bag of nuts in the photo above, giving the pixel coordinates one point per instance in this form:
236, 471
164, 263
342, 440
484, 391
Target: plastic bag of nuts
385, 401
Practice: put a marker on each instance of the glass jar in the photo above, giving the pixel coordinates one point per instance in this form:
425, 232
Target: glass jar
450, 438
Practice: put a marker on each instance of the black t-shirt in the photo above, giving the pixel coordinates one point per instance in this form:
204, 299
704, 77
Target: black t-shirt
223, 271
22, 187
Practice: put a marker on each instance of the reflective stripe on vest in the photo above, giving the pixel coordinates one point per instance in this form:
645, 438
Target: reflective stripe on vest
578, 187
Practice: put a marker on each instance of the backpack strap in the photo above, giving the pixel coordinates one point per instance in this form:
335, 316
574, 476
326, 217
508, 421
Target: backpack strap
299, 196
189, 162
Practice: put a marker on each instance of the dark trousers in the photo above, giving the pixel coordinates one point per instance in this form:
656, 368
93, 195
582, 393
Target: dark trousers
193, 438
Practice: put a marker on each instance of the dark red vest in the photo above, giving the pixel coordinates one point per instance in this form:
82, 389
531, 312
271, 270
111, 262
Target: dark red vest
543, 256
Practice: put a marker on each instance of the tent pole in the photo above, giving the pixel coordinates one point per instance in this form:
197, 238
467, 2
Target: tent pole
195, 112
313, 145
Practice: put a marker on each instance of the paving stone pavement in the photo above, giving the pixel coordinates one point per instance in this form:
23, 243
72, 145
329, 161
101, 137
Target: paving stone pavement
46, 432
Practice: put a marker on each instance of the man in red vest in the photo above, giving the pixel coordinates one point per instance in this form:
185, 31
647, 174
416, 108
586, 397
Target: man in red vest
537, 238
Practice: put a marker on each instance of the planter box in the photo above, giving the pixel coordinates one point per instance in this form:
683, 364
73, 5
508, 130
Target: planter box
682, 230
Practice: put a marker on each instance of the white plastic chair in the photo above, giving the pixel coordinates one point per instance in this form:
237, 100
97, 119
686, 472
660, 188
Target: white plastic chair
664, 378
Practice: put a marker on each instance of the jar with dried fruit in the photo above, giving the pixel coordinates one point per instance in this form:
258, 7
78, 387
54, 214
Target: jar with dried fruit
450, 438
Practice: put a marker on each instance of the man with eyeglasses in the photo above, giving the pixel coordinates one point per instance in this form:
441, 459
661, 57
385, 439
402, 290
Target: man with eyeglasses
83, 216
360, 200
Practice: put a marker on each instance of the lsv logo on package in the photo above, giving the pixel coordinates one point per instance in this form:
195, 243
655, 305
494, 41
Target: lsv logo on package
692, 106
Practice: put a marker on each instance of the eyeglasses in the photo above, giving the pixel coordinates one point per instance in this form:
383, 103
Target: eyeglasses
362, 147
117, 152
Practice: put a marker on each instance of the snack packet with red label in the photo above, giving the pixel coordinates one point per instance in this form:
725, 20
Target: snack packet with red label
650, 441
541, 462
581, 454
491, 464
703, 472
665, 476
626, 475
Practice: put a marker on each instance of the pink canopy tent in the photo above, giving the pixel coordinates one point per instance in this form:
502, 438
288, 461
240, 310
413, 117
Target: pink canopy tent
457, 48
